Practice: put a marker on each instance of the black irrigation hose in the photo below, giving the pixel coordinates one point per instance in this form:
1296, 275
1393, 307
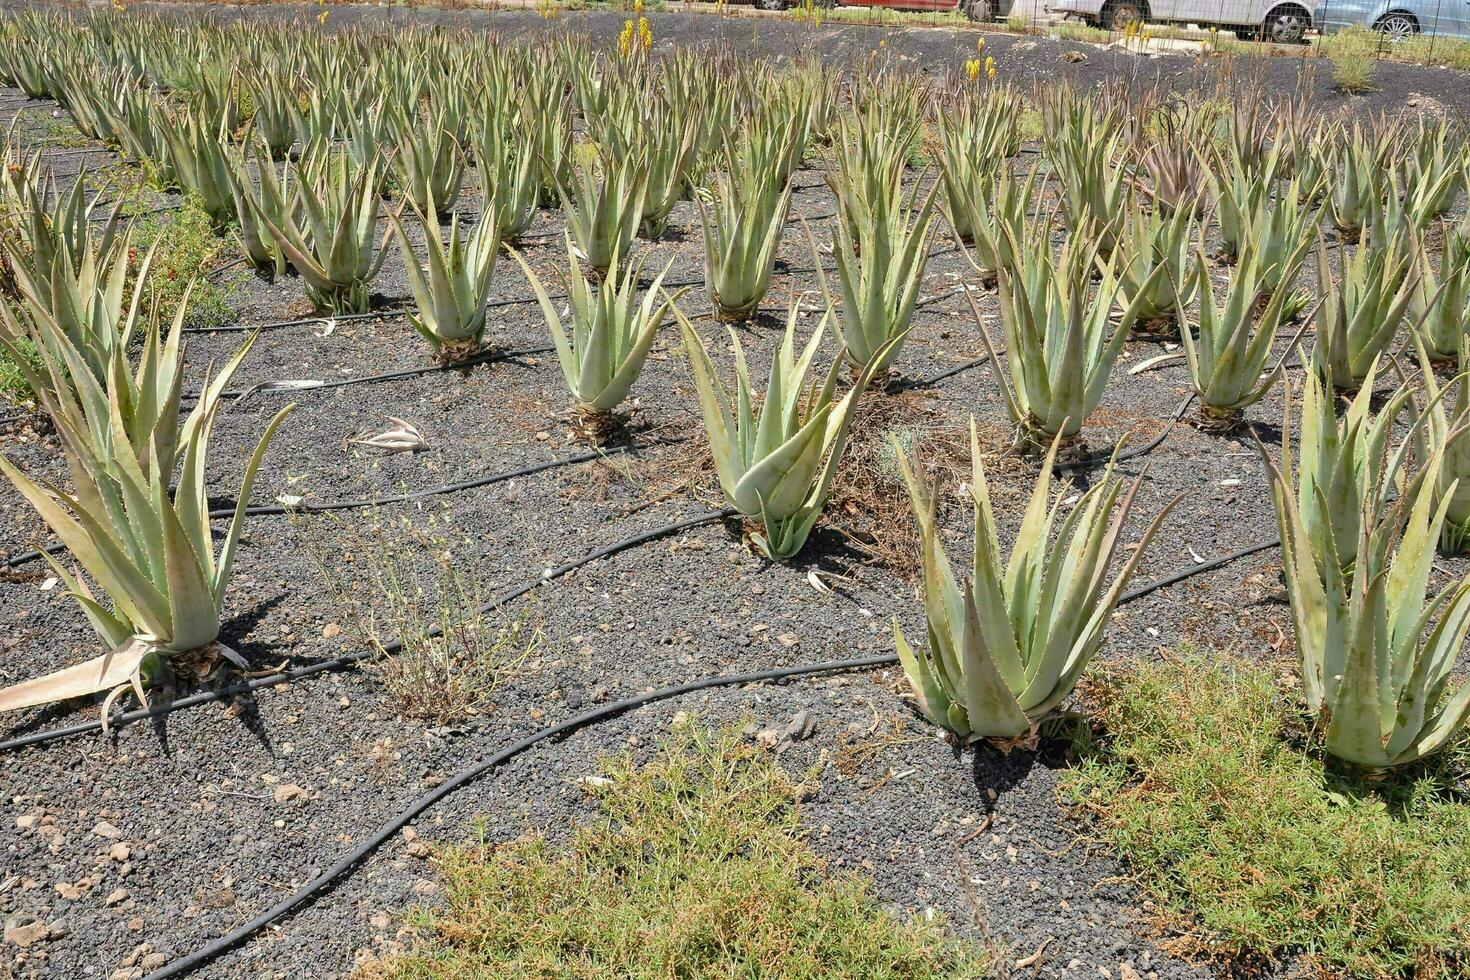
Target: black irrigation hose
311, 507
277, 387
347, 863
347, 660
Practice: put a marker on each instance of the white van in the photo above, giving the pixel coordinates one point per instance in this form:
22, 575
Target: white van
1283, 21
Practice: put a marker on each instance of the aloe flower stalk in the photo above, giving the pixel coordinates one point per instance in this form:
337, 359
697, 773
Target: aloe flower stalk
1061, 343
744, 220
450, 293
611, 333
1362, 310
149, 550
1375, 657
775, 463
1227, 363
1007, 647
328, 229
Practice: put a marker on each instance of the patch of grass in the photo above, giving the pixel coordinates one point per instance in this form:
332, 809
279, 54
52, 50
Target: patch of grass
13, 386
1352, 53
187, 247
1209, 782
441, 657
696, 869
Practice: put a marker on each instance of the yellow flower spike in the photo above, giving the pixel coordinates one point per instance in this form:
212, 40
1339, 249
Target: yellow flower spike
990, 68
980, 45
972, 69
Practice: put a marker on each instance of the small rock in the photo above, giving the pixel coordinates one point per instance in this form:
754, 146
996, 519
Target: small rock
801, 726
417, 849
152, 961
25, 930
1072, 57
331, 631
768, 738
107, 830
69, 891
116, 898
289, 793
119, 852
27, 821
1127, 972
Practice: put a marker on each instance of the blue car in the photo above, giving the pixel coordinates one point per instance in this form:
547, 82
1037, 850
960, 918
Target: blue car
1397, 19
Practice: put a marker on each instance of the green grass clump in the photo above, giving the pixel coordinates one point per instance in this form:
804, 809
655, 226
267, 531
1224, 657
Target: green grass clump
1208, 782
696, 869
13, 386
186, 249
1352, 52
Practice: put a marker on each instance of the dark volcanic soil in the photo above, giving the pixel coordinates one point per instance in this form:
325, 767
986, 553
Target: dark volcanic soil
167, 835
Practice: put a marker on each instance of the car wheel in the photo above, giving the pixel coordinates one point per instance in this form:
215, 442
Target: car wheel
1397, 26
1119, 15
978, 11
770, 4
1287, 25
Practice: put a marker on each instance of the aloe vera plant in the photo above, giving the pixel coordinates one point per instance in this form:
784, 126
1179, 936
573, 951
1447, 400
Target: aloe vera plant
1085, 150
199, 160
258, 245
775, 463
603, 207
744, 220
1440, 304
510, 178
1361, 310
1061, 343
1344, 466
996, 216
1357, 167
1227, 363
976, 136
1375, 656
880, 269
451, 291
328, 229
1007, 647
428, 164
1146, 242
148, 549
610, 336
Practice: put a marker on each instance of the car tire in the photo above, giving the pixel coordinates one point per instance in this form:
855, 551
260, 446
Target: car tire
1285, 25
1120, 14
1397, 26
979, 11
770, 4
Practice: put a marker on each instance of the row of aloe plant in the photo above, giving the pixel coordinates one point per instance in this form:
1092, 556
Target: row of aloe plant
776, 464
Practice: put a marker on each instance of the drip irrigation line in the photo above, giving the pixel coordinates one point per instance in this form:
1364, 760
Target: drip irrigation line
345, 865
311, 507
294, 387
349, 659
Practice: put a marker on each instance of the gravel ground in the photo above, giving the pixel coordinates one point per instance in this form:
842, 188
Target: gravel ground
137, 848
